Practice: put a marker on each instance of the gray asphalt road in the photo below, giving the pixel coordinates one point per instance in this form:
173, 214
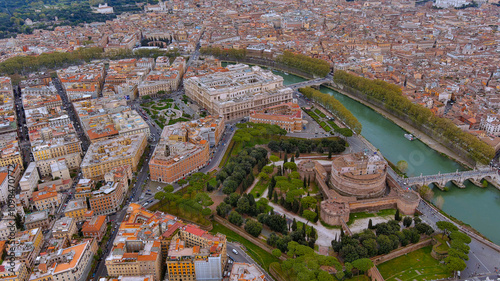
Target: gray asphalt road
243, 257
482, 258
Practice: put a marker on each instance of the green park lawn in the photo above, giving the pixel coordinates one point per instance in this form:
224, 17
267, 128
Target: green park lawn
259, 255
174, 210
363, 215
259, 188
417, 265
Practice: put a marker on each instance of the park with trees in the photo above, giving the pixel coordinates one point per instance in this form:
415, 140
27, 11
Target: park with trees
317, 67
192, 202
330, 103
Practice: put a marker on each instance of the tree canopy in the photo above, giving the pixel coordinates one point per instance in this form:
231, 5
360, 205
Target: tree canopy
391, 96
305, 265
337, 108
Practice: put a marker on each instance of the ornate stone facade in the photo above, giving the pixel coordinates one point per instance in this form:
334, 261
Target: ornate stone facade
361, 175
336, 207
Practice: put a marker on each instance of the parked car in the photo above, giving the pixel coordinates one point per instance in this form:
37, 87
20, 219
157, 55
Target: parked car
235, 252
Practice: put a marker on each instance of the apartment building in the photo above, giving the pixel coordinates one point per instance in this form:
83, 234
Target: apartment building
60, 170
42, 96
7, 226
83, 188
129, 122
51, 145
14, 272
287, 116
29, 180
58, 185
38, 219
157, 81
4, 187
137, 248
64, 227
166, 77
237, 92
10, 152
41, 117
81, 82
46, 199
66, 264
76, 209
27, 246
9, 178
184, 148
103, 156
108, 199
95, 227
194, 254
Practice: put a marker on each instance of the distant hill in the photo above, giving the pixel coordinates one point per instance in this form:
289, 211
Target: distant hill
43, 13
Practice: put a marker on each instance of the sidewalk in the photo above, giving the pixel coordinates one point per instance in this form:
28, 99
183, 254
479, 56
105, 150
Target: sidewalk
325, 235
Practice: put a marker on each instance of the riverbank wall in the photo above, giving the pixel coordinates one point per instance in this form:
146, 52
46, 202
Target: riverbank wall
442, 146
439, 144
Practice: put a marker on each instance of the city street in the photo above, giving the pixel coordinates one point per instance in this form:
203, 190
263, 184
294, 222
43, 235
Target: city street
483, 259
68, 106
243, 257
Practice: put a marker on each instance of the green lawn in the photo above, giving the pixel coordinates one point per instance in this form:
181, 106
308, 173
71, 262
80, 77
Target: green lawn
229, 151
260, 187
313, 188
173, 121
443, 247
417, 265
157, 107
363, 215
174, 210
320, 113
259, 255
312, 114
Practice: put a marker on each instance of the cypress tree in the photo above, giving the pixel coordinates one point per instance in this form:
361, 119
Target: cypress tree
308, 180
297, 154
397, 216
275, 197
317, 214
294, 224
295, 205
285, 159
312, 233
370, 224
292, 159
305, 183
300, 210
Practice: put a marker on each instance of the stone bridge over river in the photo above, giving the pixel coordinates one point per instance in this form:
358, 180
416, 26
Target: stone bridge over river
458, 178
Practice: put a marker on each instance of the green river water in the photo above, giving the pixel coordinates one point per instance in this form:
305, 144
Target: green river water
475, 206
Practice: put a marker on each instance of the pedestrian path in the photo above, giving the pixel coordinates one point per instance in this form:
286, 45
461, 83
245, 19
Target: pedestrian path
325, 235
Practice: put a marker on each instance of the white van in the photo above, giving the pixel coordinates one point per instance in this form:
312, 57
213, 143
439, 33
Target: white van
235, 252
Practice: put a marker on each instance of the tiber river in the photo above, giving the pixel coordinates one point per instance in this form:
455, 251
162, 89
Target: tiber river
475, 206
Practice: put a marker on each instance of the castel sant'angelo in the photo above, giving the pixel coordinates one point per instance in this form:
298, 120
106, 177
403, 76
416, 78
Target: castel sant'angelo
357, 182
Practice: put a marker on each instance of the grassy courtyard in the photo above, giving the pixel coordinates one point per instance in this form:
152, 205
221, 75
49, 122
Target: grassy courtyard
363, 215
417, 265
259, 255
